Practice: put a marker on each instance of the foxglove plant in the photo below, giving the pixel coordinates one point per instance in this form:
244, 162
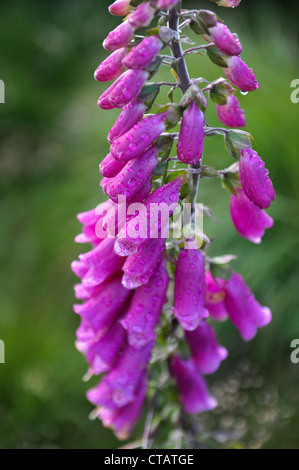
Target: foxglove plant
150, 297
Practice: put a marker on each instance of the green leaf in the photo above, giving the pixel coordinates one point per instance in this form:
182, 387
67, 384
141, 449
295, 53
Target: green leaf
228, 185
222, 271
175, 174
149, 93
239, 139
230, 147
216, 57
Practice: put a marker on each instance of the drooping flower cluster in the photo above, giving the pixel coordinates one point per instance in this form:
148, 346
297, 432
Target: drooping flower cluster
125, 277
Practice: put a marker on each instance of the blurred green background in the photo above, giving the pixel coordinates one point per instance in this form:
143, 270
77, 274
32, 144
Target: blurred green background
52, 137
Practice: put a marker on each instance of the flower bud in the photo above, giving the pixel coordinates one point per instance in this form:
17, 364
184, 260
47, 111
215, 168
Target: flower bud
249, 220
240, 74
129, 116
255, 180
243, 309
228, 3
224, 40
120, 8
207, 353
231, 114
142, 16
194, 394
110, 167
143, 54
139, 138
166, 4
112, 67
191, 138
190, 289
119, 37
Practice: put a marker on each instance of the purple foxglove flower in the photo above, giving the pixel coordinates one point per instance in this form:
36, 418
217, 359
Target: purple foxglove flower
254, 178
142, 16
134, 142
127, 372
130, 115
231, 114
249, 220
83, 292
190, 289
119, 37
191, 138
224, 40
207, 353
110, 167
103, 310
129, 238
229, 3
140, 266
133, 176
120, 8
146, 307
143, 54
112, 67
243, 309
122, 420
214, 298
101, 354
166, 4
101, 396
194, 394
240, 74
79, 268
124, 89
102, 261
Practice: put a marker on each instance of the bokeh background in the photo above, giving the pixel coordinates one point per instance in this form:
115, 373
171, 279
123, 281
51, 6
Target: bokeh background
52, 137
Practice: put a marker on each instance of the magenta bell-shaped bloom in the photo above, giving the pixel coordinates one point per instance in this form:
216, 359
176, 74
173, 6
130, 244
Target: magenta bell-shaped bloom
146, 307
123, 90
127, 372
142, 16
119, 37
166, 4
130, 115
122, 420
243, 309
134, 142
214, 298
140, 266
112, 67
194, 394
231, 114
133, 176
207, 353
240, 74
249, 220
191, 138
130, 236
255, 180
143, 54
120, 8
110, 167
190, 289
103, 310
79, 268
229, 3
224, 40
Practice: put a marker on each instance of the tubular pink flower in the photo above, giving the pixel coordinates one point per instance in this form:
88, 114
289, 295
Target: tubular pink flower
231, 114
190, 289
194, 394
83, 292
133, 176
103, 310
134, 142
78, 268
214, 298
255, 180
240, 74
130, 115
120, 8
127, 372
229, 3
119, 37
123, 90
166, 4
142, 16
140, 266
146, 307
249, 220
224, 40
191, 138
207, 353
143, 54
112, 67
243, 309
109, 167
